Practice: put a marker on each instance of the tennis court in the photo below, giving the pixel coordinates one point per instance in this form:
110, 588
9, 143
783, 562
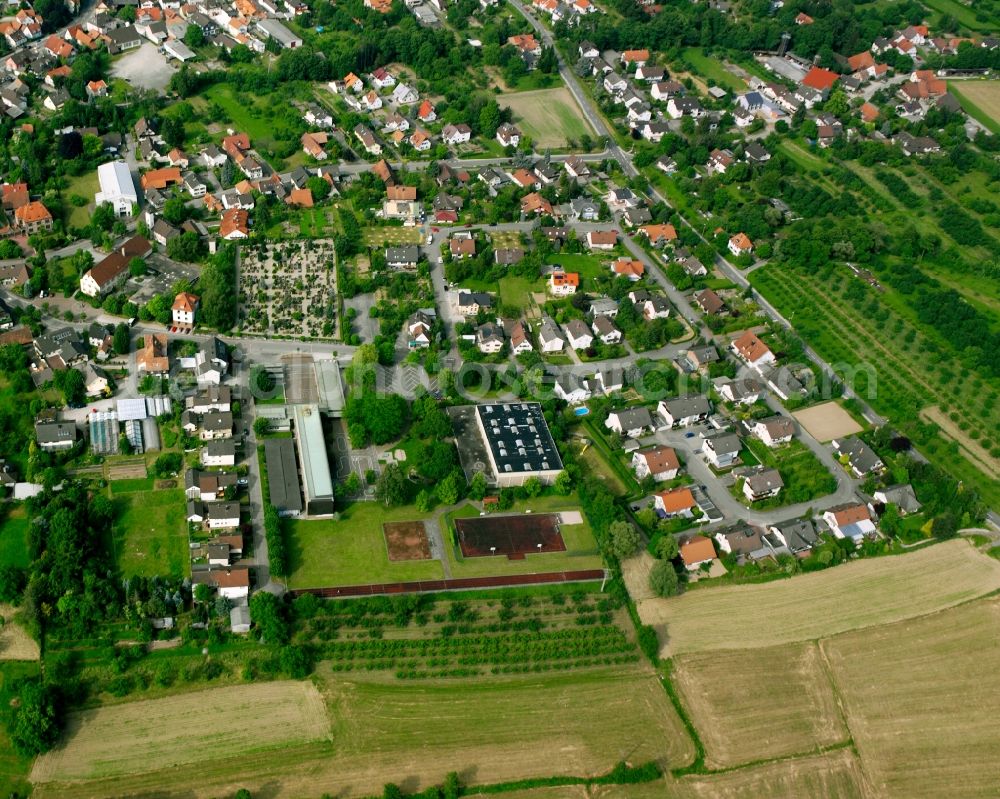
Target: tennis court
513, 535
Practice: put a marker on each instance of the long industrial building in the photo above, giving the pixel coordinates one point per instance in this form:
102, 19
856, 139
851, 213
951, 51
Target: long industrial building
317, 482
117, 187
284, 487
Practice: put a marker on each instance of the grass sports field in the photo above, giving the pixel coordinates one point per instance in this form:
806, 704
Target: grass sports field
411, 733
119, 740
980, 99
814, 605
352, 549
550, 117
793, 711
150, 533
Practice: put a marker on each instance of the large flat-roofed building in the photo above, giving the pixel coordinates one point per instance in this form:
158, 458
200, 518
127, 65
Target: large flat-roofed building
284, 488
317, 483
117, 187
518, 442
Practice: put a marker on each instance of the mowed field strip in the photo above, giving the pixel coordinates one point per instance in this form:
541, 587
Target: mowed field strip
810, 606
119, 740
550, 117
980, 99
757, 704
411, 733
15, 643
922, 699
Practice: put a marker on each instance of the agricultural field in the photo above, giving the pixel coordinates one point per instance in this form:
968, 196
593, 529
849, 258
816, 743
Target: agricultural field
352, 550
980, 99
410, 733
550, 117
120, 740
150, 536
931, 729
813, 605
742, 719
905, 382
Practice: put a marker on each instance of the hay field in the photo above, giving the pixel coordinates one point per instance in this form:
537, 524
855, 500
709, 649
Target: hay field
827, 421
757, 704
809, 606
415, 732
980, 99
922, 699
550, 117
15, 643
120, 740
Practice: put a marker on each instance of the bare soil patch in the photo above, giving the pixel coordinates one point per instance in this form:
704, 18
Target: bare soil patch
827, 421
15, 643
406, 541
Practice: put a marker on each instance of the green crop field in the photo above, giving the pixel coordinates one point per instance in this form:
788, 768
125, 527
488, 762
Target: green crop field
150, 533
351, 550
980, 99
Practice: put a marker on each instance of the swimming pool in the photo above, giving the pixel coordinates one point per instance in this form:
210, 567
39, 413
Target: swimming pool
583, 410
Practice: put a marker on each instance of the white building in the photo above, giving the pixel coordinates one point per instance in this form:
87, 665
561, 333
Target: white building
117, 187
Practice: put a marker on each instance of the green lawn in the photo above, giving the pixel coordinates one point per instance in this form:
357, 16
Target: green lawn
964, 14
86, 186
804, 475
710, 67
250, 119
351, 550
517, 291
14, 539
150, 533
581, 548
132, 486
589, 266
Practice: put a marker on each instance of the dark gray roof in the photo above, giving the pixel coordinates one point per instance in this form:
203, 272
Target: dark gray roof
518, 437
284, 489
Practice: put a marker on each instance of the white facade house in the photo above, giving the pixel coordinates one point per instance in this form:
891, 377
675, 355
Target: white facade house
117, 187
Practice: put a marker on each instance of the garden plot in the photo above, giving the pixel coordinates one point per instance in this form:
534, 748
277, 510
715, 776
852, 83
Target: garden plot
288, 289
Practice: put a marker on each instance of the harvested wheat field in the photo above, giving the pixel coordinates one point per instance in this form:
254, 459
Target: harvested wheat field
922, 699
414, 732
15, 643
183, 729
758, 704
810, 606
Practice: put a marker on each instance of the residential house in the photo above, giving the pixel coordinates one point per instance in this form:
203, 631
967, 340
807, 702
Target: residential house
508, 135
697, 551
721, 449
603, 306
578, 335
404, 257
859, 456
519, 334
752, 350
659, 235
219, 453
563, 284
602, 239
456, 134
32, 218
678, 502
550, 340
404, 95
490, 338
798, 536
774, 430
660, 462
740, 244
418, 330
700, 357
684, 411
508, 256
152, 358
182, 312
55, 436
573, 389
762, 484
606, 331
902, 496
743, 541
630, 422
210, 398
851, 520
470, 303
710, 302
